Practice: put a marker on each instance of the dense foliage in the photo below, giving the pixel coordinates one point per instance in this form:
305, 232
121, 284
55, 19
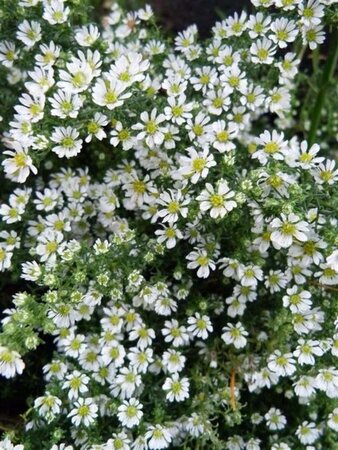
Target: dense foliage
168, 213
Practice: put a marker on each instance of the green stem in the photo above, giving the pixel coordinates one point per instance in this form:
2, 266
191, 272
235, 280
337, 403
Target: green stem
328, 72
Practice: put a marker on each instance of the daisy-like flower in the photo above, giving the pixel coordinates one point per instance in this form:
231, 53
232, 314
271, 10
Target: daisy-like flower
158, 436
307, 433
95, 127
275, 420
223, 134
281, 364
55, 12
10, 363
76, 384
150, 129
48, 56
311, 12
31, 108
218, 101
196, 165
50, 244
305, 386
306, 157
199, 259
29, 33
235, 335
174, 333
178, 110
283, 32
130, 413
173, 361
19, 164
174, 204
48, 406
199, 326
262, 51
110, 93
258, 24
286, 229
326, 173
77, 77
297, 300
68, 143
273, 145
129, 68
64, 104
84, 412
177, 388
121, 135
333, 420
313, 35
169, 234
87, 35
217, 201
8, 53
307, 350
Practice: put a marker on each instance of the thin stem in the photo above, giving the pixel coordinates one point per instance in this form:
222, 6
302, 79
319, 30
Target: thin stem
326, 78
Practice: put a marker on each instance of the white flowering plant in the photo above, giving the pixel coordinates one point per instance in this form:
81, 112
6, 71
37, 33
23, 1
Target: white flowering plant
168, 216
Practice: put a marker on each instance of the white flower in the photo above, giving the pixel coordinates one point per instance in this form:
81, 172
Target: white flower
235, 334
287, 229
327, 381
130, 413
95, 127
31, 271
87, 35
84, 412
31, 108
110, 93
10, 363
313, 35
178, 110
29, 33
48, 406
8, 53
50, 244
158, 437
196, 165
305, 386
177, 388
173, 361
223, 134
67, 138
77, 77
281, 364
273, 146
275, 419
19, 165
129, 68
307, 433
200, 259
218, 202
49, 54
150, 129
76, 384
169, 234
174, 205
64, 104
262, 51
55, 12
199, 326
297, 300
307, 350
283, 31
174, 333
333, 420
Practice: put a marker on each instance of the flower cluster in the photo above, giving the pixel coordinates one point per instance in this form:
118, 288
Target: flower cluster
175, 236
